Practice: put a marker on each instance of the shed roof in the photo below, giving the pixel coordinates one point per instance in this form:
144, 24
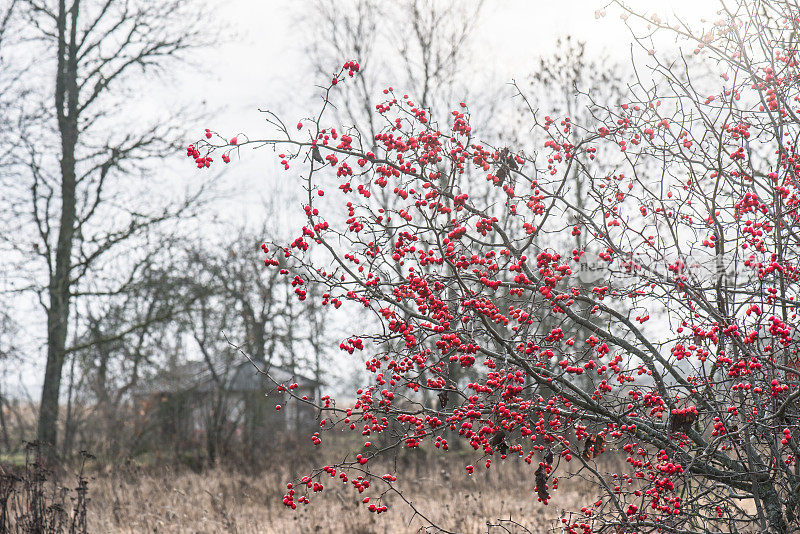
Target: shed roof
242, 376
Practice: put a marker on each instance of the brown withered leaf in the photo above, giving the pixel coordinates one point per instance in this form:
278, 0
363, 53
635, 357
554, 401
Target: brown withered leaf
498, 442
443, 398
681, 422
592, 447
598, 446
587, 448
511, 161
541, 483
502, 173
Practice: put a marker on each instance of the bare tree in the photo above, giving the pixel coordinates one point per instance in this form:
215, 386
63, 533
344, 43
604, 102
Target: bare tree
6, 14
8, 326
430, 41
242, 305
72, 197
8, 351
119, 345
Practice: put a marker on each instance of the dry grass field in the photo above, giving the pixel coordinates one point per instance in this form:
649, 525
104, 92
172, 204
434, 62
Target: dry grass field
159, 494
220, 500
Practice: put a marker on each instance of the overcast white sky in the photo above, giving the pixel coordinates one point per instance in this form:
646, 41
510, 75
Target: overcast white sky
263, 66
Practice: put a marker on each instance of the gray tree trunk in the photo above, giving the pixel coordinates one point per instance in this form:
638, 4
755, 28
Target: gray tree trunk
66, 100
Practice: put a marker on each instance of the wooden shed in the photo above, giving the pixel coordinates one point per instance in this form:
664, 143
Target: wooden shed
226, 406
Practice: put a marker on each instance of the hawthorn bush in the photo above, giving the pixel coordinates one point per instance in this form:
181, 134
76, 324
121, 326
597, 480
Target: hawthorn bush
668, 336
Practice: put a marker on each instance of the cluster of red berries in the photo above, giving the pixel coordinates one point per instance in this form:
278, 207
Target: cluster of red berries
202, 162
351, 67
